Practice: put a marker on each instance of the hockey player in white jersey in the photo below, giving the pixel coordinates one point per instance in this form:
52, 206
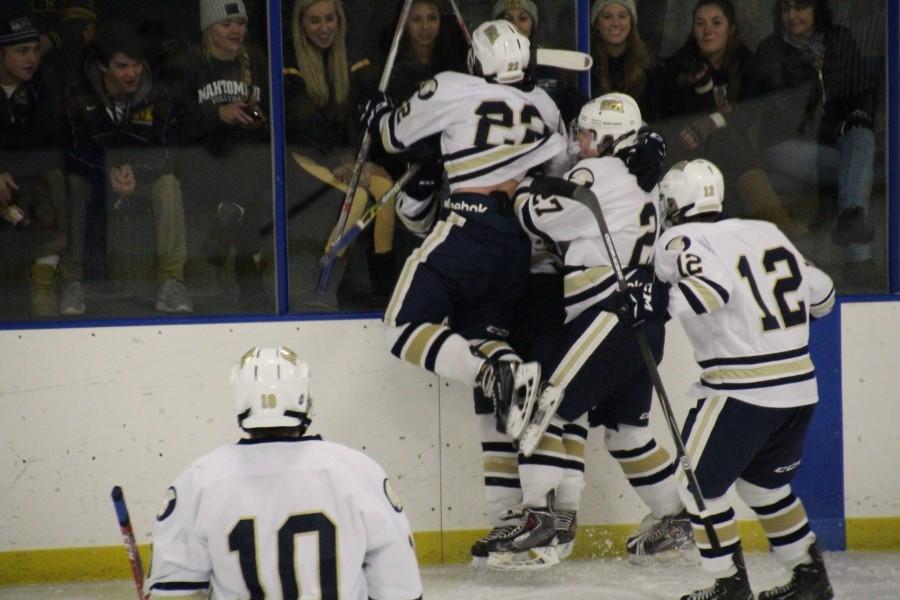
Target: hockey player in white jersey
598, 363
281, 515
745, 297
457, 293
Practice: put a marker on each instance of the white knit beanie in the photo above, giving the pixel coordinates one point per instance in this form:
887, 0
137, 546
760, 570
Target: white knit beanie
213, 11
601, 4
501, 6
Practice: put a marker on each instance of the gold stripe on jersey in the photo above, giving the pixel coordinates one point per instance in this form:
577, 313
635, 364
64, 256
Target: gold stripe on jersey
551, 444
419, 256
645, 464
481, 161
583, 348
359, 65
702, 429
727, 534
492, 347
574, 445
775, 372
418, 344
708, 296
784, 522
579, 282
822, 308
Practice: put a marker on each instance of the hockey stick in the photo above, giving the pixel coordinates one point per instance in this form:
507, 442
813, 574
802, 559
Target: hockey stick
582, 194
461, 22
353, 232
137, 569
570, 60
325, 274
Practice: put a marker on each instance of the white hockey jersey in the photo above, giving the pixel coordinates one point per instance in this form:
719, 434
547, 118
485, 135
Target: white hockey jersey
490, 133
571, 227
298, 518
744, 295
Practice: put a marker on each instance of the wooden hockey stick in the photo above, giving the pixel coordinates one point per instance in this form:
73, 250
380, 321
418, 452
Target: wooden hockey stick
137, 569
553, 186
325, 273
353, 232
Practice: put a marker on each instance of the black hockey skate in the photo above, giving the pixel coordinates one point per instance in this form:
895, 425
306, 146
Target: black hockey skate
566, 523
669, 538
808, 582
733, 587
488, 543
513, 387
531, 545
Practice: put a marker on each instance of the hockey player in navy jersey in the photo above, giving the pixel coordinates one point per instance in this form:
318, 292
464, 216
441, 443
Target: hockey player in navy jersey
231, 523
598, 363
452, 308
745, 297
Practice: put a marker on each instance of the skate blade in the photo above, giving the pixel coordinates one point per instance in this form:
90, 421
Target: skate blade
530, 560
551, 397
686, 557
563, 551
527, 386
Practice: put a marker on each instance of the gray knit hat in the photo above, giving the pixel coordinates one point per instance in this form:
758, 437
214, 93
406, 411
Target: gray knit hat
213, 11
501, 6
601, 4
17, 30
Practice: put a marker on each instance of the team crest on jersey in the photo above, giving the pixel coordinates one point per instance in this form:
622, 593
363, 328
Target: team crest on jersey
392, 496
582, 177
678, 244
168, 505
427, 89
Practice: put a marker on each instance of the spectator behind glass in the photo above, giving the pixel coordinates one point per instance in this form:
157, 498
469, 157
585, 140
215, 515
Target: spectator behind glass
63, 47
707, 78
121, 126
622, 61
524, 15
32, 186
222, 86
322, 87
818, 121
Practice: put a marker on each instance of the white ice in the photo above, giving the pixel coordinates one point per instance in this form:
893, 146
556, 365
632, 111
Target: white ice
854, 575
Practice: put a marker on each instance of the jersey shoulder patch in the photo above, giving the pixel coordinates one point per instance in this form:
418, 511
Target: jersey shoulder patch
427, 89
679, 243
581, 176
392, 496
168, 504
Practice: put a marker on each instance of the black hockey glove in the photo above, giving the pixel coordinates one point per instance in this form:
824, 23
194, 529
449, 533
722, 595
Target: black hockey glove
426, 182
641, 302
645, 158
857, 118
374, 105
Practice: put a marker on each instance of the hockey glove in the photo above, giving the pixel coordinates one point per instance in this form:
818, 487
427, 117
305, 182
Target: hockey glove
426, 182
372, 107
857, 118
641, 302
645, 158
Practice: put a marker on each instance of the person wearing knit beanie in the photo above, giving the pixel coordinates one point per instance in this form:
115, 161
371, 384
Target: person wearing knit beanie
599, 5
15, 30
517, 13
80, 9
213, 11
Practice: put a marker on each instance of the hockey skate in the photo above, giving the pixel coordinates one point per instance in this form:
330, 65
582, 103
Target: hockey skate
530, 545
488, 543
566, 523
733, 587
668, 539
513, 387
550, 398
808, 582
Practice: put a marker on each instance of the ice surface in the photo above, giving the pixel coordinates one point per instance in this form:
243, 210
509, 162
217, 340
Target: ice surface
855, 576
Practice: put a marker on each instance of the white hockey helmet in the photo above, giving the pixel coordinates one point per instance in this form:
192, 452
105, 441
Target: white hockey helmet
614, 119
271, 389
499, 51
692, 188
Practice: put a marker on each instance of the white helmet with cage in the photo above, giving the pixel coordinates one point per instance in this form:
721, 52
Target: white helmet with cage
271, 389
692, 188
499, 51
614, 120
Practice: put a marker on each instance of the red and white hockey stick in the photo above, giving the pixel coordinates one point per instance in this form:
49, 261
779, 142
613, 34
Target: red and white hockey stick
137, 569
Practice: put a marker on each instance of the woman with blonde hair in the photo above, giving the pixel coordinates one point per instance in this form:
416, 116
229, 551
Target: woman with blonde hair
622, 60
